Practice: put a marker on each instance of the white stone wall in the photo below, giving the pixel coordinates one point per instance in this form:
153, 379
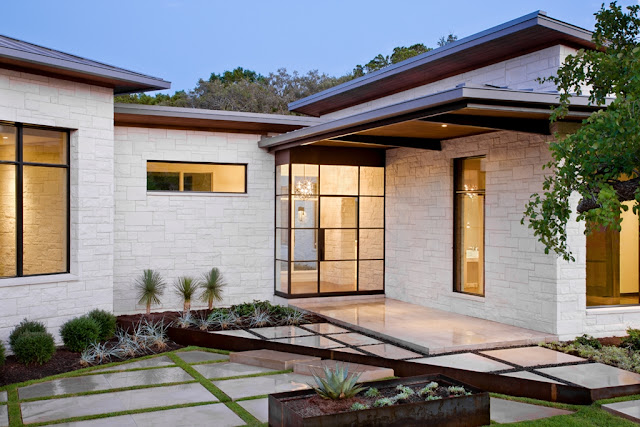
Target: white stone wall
87, 109
521, 72
182, 234
520, 280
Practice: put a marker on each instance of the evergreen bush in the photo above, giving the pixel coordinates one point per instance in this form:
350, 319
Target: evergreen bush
79, 332
106, 321
34, 347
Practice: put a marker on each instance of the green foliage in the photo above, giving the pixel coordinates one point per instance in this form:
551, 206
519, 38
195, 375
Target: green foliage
633, 340
372, 392
620, 357
428, 389
3, 355
443, 41
79, 332
432, 397
150, 287
385, 401
212, 283
186, 287
337, 383
587, 340
359, 406
106, 322
23, 327
34, 347
600, 160
236, 75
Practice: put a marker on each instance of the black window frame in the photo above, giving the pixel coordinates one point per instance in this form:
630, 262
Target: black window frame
19, 164
245, 165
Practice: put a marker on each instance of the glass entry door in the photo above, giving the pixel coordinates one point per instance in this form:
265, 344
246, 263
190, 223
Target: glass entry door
329, 229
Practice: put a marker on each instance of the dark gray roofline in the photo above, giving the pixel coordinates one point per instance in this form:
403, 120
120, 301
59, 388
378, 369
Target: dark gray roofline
18, 50
518, 24
450, 96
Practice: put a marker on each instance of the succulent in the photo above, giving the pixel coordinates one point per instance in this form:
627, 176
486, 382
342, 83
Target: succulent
295, 317
185, 320
372, 392
150, 287
337, 383
432, 397
358, 406
428, 389
203, 322
223, 319
385, 401
404, 389
186, 287
260, 318
212, 284
457, 391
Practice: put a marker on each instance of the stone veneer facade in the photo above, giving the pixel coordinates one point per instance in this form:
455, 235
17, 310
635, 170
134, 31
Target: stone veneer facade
87, 109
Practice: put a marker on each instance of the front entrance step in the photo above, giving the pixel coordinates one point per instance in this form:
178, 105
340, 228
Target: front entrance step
367, 372
270, 359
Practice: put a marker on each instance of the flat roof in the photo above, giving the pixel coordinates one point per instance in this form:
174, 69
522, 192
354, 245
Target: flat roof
478, 101
23, 56
155, 116
520, 36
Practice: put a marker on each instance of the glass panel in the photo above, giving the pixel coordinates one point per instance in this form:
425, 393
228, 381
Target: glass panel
613, 263
341, 180
304, 277
305, 212
340, 245
471, 174
282, 212
282, 243
305, 245
371, 212
45, 220
163, 181
228, 178
8, 255
197, 181
371, 244
470, 243
338, 212
282, 276
196, 177
338, 276
371, 181
305, 179
371, 276
44, 146
7, 143
282, 179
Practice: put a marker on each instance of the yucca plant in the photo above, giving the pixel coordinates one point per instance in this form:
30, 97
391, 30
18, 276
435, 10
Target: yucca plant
150, 286
337, 383
212, 283
186, 287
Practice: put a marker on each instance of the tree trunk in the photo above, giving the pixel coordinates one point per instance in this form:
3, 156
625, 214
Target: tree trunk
148, 308
187, 305
210, 303
626, 191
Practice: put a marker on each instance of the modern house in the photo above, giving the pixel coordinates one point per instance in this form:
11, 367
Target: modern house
409, 183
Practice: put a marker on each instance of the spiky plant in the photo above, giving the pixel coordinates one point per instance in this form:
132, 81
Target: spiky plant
337, 383
150, 286
186, 287
212, 283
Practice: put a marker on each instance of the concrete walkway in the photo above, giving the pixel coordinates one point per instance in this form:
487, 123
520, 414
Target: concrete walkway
424, 330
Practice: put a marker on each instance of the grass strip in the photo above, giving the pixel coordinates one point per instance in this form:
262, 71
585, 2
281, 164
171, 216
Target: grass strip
15, 416
537, 402
208, 350
200, 378
261, 396
617, 399
259, 374
243, 413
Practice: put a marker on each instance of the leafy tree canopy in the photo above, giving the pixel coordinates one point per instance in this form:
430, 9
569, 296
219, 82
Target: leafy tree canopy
601, 160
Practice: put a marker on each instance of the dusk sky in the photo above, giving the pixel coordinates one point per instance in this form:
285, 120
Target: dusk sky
184, 40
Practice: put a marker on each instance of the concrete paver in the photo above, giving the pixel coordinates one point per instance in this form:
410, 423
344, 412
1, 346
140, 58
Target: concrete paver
259, 408
317, 341
120, 421
277, 360
530, 376
468, 361
3, 396
147, 363
281, 332
237, 333
197, 356
4, 416
593, 375
356, 339
256, 386
508, 411
367, 372
56, 409
390, 351
229, 369
533, 356
326, 328
348, 350
629, 410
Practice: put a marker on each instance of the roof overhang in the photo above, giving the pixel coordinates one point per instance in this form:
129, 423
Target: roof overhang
26, 57
152, 116
526, 34
424, 122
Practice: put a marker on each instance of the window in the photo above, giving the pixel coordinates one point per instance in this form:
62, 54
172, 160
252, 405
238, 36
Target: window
34, 201
613, 263
469, 190
198, 177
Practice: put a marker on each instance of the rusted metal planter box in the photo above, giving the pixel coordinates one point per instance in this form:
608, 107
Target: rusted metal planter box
472, 410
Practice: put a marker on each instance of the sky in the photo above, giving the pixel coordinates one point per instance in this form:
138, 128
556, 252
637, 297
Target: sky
184, 40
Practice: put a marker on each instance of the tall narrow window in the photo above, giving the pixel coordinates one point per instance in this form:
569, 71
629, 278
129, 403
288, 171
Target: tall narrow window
469, 190
34, 201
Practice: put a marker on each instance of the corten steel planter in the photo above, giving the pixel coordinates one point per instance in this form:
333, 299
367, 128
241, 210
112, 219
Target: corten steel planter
472, 410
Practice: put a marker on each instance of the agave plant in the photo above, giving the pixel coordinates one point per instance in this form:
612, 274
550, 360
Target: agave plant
185, 320
295, 317
150, 288
186, 287
212, 284
260, 318
337, 383
203, 322
223, 319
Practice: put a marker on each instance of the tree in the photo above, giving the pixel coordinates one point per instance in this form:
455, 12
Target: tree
236, 75
601, 160
443, 41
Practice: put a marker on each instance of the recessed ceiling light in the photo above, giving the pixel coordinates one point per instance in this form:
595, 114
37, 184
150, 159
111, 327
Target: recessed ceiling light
444, 126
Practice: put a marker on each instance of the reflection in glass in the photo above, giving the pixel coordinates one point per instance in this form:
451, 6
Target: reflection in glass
45, 220
371, 276
7, 143
304, 277
8, 254
371, 181
282, 243
371, 212
305, 212
305, 245
340, 245
340, 180
282, 276
337, 276
282, 179
44, 146
371, 244
338, 212
282, 212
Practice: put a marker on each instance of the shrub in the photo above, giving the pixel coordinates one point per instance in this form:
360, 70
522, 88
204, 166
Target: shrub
150, 287
186, 287
34, 347
588, 340
633, 340
212, 284
78, 333
2, 355
25, 326
106, 322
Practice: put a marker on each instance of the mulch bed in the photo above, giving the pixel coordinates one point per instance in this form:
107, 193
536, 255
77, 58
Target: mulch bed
62, 361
